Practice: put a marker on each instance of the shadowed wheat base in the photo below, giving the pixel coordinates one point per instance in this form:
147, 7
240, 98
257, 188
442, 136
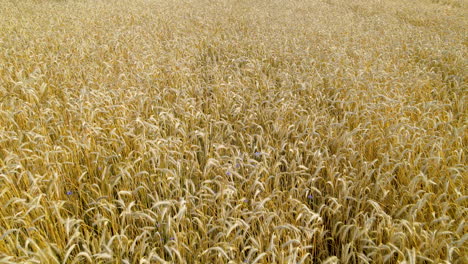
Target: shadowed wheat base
247, 131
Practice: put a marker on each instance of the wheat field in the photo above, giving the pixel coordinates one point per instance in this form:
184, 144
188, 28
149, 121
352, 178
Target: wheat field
233, 131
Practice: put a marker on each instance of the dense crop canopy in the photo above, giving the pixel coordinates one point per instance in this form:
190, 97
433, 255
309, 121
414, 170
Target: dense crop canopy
246, 131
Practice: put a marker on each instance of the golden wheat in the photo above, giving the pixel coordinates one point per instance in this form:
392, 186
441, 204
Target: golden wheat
197, 131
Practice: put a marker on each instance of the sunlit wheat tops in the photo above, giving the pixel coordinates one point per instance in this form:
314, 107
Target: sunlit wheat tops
259, 131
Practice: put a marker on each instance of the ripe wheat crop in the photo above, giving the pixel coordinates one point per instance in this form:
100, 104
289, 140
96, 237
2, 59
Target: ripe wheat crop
233, 131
